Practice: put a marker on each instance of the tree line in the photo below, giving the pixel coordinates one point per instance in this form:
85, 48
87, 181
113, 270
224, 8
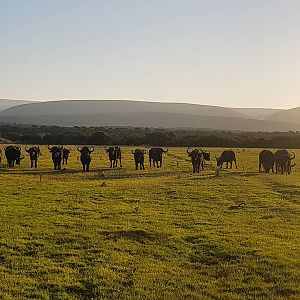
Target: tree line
42, 134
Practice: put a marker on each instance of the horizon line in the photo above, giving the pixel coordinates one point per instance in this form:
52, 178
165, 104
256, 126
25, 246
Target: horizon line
147, 101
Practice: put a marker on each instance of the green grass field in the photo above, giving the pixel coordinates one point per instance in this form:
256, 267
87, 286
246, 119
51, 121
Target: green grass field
154, 234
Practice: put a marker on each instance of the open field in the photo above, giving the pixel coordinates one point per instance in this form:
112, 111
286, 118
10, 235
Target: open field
154, 234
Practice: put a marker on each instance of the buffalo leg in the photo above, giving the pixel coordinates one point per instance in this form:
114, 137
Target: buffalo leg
120, 162
235, 164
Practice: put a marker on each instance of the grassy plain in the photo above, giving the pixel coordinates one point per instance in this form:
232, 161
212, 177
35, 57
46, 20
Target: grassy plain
154, 234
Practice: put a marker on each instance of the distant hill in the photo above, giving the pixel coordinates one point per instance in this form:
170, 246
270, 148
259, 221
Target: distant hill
78, 107
292, 115
140, 114
257, 113
156, 120
7, 103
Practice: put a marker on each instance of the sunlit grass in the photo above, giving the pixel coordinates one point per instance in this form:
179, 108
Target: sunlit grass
154, 234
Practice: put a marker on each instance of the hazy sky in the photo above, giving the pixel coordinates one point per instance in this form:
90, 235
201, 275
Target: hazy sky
242, 53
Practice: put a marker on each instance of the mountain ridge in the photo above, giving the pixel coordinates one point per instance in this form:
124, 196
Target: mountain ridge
145, 114
8, 103
293, 115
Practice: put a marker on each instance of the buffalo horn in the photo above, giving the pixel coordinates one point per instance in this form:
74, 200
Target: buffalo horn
293, 156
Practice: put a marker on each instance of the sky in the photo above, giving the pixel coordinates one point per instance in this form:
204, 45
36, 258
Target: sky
233, 53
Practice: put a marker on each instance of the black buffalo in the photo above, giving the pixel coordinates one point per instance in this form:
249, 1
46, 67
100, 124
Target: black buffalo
283, 161
85, 157
206, 157
228, 156
65, 155
155, 156
196, 156
13, 155
266, 160
114, 154
34, 153
56, 153
139, 158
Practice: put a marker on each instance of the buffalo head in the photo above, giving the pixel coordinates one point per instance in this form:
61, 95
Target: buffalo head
86, 149
206, 155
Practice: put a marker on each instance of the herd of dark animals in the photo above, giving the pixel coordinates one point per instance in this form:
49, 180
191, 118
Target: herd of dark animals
282, 160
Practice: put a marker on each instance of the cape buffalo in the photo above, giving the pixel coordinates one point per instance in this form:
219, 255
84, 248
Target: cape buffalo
196, 158
227, 156
85, 157
56, 153
34, 153
155, 156
65, 155
114, 154
13, 155
266, 160
139, 158
206, 156
283, 161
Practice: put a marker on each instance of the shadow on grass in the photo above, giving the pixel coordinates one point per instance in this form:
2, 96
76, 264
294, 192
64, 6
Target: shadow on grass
140, 236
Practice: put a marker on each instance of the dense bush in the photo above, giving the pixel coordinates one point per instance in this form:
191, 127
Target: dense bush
33, 134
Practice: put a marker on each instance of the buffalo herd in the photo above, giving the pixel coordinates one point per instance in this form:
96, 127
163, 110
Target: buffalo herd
280, 161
